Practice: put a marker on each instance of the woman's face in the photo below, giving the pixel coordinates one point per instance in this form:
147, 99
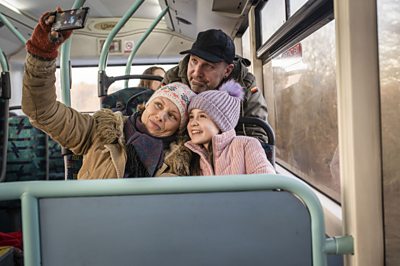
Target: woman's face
161, 117
201, 128
154, 83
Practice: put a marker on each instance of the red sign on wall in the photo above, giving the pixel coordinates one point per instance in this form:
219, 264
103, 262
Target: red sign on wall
294, 51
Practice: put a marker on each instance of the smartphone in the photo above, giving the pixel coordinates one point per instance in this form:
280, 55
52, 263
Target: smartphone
70, 19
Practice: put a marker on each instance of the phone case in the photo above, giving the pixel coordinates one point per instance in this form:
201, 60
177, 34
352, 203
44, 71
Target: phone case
70, 19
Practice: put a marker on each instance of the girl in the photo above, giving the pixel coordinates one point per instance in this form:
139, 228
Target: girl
218, 151
113, 146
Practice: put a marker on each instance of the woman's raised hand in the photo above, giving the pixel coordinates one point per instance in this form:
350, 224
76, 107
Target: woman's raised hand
44, 43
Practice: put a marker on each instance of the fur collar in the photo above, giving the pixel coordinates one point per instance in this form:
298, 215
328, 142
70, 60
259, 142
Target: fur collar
110, 126
178, 157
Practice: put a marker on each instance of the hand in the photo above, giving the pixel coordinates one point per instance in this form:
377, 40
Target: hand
44, 42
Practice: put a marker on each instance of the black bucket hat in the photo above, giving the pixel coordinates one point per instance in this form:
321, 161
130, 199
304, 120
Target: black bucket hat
213, 46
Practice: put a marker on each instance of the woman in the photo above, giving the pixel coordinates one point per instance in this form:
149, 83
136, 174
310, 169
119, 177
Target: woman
152, 84
113, 146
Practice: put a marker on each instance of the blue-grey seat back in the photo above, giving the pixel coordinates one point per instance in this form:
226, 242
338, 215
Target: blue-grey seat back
26, 151
31, 154
218, 228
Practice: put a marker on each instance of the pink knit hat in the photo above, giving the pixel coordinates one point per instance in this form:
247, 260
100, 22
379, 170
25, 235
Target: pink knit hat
178, 93
222, 105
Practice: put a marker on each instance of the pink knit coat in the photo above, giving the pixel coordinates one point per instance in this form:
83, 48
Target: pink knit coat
233, 155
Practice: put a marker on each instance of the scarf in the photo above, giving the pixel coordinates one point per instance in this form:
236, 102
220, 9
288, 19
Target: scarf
145, 153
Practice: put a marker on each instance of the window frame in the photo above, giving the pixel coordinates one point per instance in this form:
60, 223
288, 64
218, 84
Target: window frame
311, 16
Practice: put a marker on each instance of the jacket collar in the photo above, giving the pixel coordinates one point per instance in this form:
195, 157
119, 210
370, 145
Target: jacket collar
183, 66
219, 143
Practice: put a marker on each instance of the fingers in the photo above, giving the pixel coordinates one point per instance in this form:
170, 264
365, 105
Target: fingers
52, 16
50, 19
54, 36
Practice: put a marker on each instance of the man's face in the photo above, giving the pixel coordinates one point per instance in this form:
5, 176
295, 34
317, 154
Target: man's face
204, 75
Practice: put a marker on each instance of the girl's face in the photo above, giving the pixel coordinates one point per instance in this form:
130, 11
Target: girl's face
161, 117
201, 128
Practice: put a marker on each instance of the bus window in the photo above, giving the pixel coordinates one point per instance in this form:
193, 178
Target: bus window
273, 16
84, 84
246, 47
389, 66
303, 81
296, 5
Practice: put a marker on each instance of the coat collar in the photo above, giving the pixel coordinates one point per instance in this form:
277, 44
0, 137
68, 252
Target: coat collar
219, 143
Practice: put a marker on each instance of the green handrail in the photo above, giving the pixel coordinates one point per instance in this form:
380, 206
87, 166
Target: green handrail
5, 96
65, 71
114, 31
12, 28
140, 42
112, 187
30, 210
3, 62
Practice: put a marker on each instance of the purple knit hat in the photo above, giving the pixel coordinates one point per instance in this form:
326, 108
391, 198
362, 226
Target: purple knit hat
222, 105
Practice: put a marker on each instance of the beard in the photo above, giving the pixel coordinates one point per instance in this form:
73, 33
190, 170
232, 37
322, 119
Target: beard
198, 88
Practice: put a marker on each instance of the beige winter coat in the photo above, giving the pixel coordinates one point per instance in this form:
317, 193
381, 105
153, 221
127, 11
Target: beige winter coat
99, 138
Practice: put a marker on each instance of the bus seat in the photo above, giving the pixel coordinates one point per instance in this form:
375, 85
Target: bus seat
56, 161
7, 256
73, 164
126, 100
215, 220
245, 123
31, 154
26, 151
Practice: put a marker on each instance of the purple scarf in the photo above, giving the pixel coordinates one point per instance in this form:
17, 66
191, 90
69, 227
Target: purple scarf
149, 150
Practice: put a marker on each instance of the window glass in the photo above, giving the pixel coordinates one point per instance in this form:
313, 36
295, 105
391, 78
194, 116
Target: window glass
389, 66
273, 16
84, 96
295, 5
246, 45
305, 109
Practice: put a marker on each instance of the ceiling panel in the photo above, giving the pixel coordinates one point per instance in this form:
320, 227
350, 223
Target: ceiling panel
98, 8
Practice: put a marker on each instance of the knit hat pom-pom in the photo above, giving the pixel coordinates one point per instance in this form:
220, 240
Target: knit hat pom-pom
233, 88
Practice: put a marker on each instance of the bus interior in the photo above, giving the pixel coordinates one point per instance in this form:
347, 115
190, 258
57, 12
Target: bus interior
329, 71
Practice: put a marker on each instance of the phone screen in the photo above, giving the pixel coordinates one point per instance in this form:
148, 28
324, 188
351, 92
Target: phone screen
70, 19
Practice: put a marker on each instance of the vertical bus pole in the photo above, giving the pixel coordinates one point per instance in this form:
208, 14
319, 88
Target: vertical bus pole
65, 69
357, 71
102, 88
5, 96
65, 75
140, 42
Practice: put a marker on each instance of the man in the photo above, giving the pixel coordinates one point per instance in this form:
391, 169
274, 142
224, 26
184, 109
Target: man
209, 63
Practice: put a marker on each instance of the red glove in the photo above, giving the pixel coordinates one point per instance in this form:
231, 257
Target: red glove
43, 42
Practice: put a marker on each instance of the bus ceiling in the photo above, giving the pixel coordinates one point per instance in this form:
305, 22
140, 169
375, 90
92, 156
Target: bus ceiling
190, 17
179, 28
